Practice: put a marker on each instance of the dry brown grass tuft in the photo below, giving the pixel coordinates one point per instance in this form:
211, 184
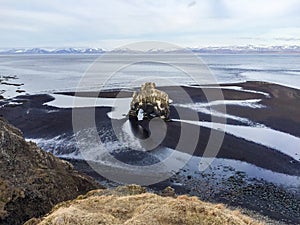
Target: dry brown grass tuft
97, 207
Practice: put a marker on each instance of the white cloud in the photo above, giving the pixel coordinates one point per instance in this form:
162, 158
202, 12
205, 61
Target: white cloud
109, 23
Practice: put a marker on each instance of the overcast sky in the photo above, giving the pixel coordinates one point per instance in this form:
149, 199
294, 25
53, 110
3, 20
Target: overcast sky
112, 23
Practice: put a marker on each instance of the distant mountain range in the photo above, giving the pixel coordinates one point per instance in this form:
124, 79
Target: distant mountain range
52, 51
248, 49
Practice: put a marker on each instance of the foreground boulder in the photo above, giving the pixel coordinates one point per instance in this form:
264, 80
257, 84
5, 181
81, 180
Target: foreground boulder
32, 181
133, 206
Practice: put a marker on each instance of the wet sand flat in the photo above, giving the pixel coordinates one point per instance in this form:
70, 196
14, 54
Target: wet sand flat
275, 106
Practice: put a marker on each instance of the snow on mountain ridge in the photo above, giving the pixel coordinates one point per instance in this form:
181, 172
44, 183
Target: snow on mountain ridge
209, 49
53, 51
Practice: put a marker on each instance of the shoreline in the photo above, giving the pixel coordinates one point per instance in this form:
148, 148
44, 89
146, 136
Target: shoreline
40, 121
251, 196
279, 112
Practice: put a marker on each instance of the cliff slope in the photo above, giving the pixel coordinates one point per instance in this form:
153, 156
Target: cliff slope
32, 181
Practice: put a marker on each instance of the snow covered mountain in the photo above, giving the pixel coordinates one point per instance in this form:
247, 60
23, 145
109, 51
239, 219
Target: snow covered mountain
214, 50
53, 51
248, 49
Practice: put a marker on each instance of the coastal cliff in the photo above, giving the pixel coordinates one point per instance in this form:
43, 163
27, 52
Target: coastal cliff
32, 181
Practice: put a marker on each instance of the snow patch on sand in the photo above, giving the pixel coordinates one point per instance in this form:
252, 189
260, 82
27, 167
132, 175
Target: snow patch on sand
66, 101
205, 108
283, 142
251, 103
236, 88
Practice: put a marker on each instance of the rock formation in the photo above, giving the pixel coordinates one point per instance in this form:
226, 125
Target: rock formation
133, 206
32, 181
151, 101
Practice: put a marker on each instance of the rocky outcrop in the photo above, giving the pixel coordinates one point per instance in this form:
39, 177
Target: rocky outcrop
133, 205
151, 101
32, 181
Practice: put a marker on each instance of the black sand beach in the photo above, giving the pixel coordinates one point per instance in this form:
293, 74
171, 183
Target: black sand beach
280, 112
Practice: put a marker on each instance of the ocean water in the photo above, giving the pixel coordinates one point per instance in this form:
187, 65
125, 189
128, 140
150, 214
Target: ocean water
279, 69
50, 73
